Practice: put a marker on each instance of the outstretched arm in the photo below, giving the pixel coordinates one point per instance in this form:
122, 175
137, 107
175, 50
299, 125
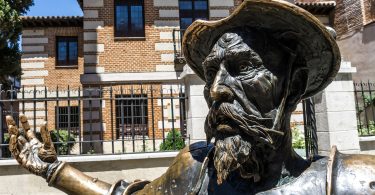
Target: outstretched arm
41, 159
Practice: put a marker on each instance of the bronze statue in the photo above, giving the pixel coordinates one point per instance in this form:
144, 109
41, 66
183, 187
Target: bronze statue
258, 64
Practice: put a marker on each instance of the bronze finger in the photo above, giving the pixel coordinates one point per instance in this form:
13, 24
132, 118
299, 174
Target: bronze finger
25, 124
10, 121
13, 130
46, 137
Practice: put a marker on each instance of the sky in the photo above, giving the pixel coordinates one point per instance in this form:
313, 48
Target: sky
55, 8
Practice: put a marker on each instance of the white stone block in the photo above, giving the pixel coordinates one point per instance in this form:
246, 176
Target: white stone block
197, 107
39, 122
169, 35
219, 13
196, 90
38, 113
93, 47
195, 129
94, 69
324, 141
342, 121
91, 59
345, 140
34, 73
167, 23
296, 118
166, 3
93, 3
221, 3
38, 105
92, 24
336, 86
164, 47
90, 36
169, 13
32, 65
340, 101
167, 57
36, 40
33, 48
91, 13
299, 107
34, 32
35, 56
165, 68
32, 81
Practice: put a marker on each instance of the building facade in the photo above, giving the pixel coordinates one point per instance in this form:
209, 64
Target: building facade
124, 57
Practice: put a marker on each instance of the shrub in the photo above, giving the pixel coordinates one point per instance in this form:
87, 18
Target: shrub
364, 131
66, 141
169, 142
298, 140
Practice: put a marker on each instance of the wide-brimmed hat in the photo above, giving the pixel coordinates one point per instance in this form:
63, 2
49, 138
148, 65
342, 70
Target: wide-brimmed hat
316, 50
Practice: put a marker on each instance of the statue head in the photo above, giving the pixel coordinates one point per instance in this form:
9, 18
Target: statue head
258, 64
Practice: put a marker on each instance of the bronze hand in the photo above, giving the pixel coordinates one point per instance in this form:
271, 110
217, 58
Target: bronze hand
39, 158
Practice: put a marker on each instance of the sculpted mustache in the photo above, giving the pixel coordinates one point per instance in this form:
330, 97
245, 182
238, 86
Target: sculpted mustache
251, 125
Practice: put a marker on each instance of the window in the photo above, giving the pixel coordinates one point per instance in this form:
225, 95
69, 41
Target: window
129, 18
191, 10
66, 51
67, 118
131, 115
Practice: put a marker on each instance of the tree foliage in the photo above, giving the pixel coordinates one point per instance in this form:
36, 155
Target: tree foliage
10, 30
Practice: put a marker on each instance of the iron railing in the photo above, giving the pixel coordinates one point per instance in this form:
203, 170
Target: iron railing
100, 120
309, 120
364, 93
179, 58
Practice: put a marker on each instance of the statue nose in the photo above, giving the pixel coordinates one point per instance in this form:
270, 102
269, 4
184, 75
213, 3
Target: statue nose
221, 93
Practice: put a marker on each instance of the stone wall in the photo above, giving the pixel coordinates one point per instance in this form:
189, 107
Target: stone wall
15, 180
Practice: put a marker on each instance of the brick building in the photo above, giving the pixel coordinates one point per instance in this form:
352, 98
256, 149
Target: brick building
118, 47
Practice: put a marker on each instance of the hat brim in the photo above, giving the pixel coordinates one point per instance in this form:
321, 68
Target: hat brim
317, 51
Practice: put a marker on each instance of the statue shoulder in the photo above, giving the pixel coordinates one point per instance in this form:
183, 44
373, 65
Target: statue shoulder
186, 172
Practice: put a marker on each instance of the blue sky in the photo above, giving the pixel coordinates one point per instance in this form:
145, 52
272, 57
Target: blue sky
55, 8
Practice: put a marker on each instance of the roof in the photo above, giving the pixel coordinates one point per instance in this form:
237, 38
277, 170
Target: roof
52, 21
318, 8
80, 2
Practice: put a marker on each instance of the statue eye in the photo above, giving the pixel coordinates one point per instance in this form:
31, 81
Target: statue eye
244, 67
210, 74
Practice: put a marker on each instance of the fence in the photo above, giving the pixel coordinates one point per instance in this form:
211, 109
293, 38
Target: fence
101, 120
177, 46
365, 106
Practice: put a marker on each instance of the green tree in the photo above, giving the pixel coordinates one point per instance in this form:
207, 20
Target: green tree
10, 30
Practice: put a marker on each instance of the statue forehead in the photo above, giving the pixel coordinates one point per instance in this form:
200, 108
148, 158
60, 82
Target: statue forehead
252, 43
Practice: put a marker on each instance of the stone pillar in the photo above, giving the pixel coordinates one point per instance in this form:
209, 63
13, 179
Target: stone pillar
196, 105
336, 119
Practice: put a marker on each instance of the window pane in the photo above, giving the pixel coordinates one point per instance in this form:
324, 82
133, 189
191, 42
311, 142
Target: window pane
200, 5
73, 51
61, 51
185, 22
136, 20
186, 5
122, 19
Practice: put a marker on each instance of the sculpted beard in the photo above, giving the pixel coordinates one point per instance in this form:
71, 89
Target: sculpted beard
238, 136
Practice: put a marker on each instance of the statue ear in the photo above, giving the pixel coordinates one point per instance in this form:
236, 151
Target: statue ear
297, 87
